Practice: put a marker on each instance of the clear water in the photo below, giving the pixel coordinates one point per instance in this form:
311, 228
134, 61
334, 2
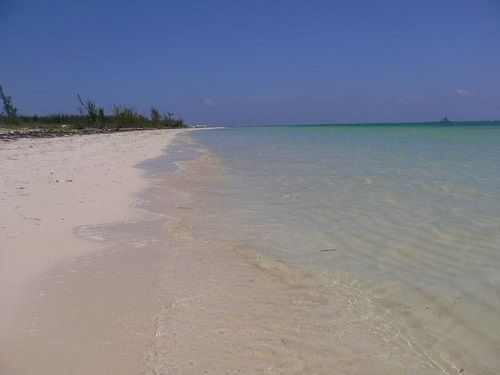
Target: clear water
411, 212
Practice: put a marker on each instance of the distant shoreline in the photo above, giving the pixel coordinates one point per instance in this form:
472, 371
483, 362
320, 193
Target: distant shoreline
14, 134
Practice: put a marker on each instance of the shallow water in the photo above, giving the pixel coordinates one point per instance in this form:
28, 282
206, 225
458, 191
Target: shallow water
410, 215
224, 308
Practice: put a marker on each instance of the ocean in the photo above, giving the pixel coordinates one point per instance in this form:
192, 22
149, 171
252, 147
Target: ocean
406, 215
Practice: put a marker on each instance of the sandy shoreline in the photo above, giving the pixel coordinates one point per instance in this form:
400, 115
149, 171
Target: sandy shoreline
154, 295
51, 186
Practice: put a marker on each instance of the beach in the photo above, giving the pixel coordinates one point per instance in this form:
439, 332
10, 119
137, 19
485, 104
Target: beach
160, 252
261, 187
49, 188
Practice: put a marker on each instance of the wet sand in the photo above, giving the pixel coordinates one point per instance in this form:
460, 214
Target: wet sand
138, 290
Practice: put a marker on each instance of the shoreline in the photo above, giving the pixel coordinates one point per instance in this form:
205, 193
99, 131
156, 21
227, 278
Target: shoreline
9, 135
51, 186
154, 295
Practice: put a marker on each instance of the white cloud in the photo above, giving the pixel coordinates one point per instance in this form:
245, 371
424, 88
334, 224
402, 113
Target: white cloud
209, 102
465, 92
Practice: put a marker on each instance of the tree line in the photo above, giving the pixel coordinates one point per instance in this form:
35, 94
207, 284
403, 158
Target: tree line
90, 116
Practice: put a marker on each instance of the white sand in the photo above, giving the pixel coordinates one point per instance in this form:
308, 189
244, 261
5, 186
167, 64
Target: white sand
50, 186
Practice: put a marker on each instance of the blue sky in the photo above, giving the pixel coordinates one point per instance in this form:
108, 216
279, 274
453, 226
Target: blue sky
257, 62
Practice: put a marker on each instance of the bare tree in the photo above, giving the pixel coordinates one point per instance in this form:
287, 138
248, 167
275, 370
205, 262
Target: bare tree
88, 108
9, 109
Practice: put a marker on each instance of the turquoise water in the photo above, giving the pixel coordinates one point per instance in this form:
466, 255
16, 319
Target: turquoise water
412, 212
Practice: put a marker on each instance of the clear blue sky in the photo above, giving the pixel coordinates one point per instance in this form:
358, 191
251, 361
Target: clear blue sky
257, 62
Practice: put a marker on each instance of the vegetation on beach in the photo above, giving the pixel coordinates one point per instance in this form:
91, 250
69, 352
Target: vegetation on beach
90, 116
9, 111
